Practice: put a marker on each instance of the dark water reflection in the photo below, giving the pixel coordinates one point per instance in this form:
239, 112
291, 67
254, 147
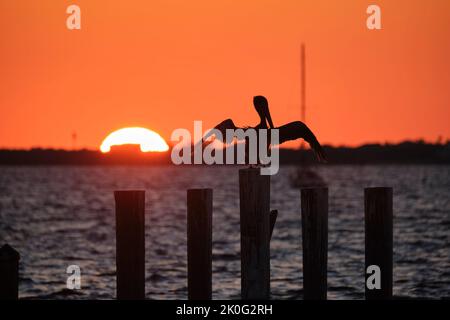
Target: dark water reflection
58, 216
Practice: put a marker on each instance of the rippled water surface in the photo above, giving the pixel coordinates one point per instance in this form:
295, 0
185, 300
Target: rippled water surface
59, 216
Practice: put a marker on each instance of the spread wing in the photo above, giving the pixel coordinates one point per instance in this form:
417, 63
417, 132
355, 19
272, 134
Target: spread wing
299, 130
222, 128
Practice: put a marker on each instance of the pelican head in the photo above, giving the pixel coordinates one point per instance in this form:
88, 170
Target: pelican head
262, 107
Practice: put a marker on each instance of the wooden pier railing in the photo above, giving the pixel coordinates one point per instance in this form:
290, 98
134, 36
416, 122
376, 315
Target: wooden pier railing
257, 224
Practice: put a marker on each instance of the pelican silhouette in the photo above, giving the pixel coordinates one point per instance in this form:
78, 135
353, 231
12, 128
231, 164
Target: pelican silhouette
290, 131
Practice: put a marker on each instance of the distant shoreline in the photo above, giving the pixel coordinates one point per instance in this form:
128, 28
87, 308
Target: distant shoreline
417, 152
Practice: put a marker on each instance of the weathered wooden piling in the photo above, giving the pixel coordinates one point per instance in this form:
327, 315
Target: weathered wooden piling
199, 243
130, 244
379, 239
314, 204
9, 273
254, 194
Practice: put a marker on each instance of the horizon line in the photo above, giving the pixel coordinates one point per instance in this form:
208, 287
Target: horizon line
385, 143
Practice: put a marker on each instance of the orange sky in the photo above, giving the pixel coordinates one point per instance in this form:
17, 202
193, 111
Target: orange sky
162, 64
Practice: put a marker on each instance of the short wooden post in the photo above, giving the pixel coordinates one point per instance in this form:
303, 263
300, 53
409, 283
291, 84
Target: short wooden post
9, 273
254, 192
199, 243
379, 239
314, 203
130, 244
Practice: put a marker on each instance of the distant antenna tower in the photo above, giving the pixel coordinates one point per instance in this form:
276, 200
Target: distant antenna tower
74, 140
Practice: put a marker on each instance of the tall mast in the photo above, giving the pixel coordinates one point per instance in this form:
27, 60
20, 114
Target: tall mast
303, 83
302, 89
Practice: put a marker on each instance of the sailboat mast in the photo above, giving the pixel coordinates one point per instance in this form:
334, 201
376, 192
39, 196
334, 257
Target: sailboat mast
303, 83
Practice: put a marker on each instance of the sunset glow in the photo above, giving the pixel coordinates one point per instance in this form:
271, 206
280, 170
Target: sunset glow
177, 61
148, 140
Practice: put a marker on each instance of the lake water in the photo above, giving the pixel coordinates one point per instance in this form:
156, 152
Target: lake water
59, 216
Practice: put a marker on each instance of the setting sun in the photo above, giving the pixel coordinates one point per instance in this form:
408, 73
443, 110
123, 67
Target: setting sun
147, 139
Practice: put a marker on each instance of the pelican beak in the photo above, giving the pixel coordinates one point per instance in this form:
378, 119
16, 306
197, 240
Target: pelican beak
268, 117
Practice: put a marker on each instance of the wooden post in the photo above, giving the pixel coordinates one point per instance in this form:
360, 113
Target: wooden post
379, 239
9, 273
273, 219
254, 192
130, 244
199, 243
314, 203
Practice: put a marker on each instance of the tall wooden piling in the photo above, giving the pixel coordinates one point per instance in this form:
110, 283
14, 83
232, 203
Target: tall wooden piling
314, 204
254, 193
9, 273
379, 239
130, 244
199, 243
